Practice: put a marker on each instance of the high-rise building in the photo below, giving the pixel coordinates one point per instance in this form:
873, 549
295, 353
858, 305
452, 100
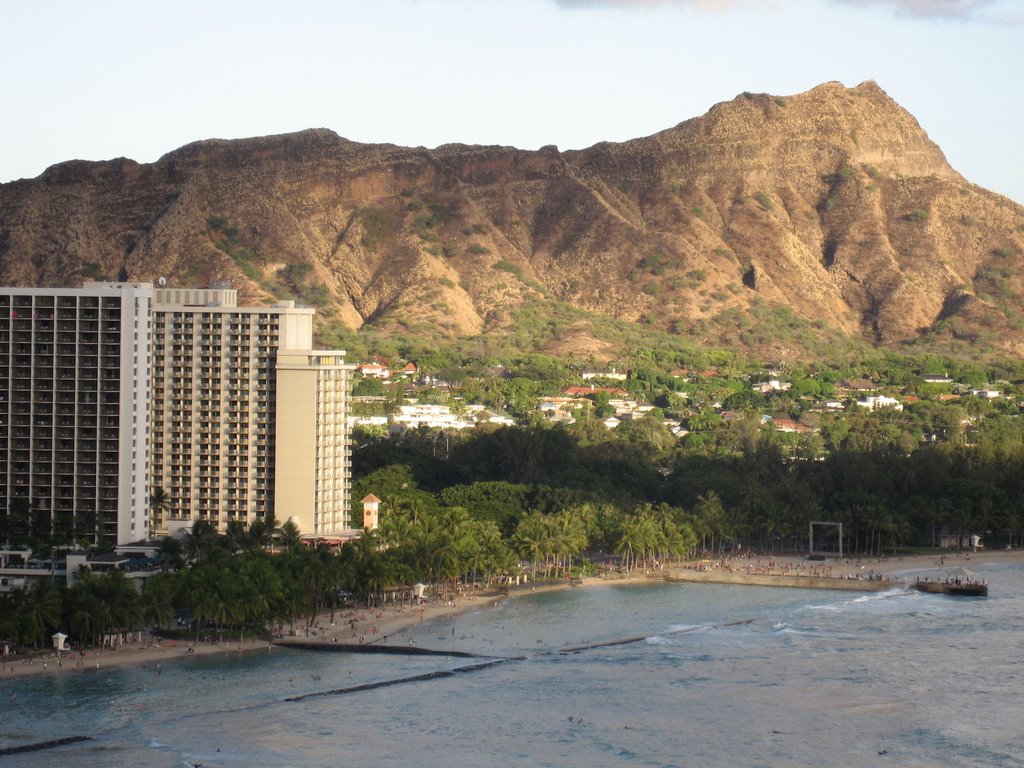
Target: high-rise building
216, 413
115, 394
74, 412
312, 475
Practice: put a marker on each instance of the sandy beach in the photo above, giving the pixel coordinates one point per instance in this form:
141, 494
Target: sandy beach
389, 625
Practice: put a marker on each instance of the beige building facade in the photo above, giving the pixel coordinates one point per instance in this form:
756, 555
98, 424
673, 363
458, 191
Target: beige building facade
313, 475
218, 423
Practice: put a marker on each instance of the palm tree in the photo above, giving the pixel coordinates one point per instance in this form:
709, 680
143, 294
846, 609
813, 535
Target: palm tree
711, 512
291, 536
158, 600
200, 542
531, 537
248, 604
236, 536
170, 554
159, 505
260, 536
630, 543
773, 523
40, 612
258, 571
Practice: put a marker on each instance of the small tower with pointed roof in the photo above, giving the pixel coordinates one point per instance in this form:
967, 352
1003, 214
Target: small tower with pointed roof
371, 512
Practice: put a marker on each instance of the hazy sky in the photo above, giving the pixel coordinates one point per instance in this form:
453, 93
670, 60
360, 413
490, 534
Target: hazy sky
97, 79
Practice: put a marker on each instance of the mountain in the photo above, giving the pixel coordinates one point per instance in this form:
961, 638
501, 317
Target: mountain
769, 223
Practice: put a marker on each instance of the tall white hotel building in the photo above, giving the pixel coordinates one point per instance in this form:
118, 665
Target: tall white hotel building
114, 390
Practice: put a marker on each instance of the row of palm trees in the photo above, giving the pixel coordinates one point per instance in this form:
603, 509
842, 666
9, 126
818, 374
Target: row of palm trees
234, 582
249, 592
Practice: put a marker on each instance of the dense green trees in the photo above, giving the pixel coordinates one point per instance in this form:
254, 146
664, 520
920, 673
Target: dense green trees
549, 497
882, 474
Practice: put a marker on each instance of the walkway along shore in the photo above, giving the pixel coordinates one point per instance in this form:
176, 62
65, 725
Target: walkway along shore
783, 580
880, 583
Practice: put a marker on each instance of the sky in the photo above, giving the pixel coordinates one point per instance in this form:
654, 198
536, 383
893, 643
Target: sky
99, 79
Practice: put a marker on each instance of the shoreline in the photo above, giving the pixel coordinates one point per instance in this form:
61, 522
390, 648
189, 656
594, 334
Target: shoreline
389, 625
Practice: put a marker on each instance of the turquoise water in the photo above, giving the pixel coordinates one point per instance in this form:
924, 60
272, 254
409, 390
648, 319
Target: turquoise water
808, 678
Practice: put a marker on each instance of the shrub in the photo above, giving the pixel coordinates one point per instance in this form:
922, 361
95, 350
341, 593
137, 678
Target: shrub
430, 220
873, 172
697, 275
295, 274
377, 224
507, 266
317, 294
652, 289
478, 250
918, 214
764, 201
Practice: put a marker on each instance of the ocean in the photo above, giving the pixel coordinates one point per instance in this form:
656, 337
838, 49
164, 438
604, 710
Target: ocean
714, 676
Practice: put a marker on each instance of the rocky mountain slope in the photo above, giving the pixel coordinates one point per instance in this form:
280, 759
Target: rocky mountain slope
829, 210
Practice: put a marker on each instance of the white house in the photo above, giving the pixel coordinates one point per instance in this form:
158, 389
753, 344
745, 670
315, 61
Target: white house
612, 374
875, 402
374, 370
425, 415
986, 394
772, 385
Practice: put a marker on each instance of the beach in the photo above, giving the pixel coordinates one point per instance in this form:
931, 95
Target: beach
629, 671
390, 625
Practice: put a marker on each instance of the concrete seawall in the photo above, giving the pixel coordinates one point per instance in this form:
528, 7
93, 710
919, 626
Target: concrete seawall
771, 580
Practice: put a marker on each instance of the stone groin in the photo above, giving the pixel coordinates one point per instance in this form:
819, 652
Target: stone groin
374, 648
781, 580
41, 745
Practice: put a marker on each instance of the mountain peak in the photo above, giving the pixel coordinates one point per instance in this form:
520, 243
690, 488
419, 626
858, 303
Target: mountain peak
772, 222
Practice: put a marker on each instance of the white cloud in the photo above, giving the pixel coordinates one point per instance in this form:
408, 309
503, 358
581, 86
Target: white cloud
992, 11
965, 10
711, 5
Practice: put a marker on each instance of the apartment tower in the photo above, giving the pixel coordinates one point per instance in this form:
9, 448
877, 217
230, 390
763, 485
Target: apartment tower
236, 392
313, 474
74, 412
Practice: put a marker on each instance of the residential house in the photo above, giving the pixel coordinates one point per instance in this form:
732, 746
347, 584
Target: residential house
790, 425
423, 415
612, 375
772, 385
986, 394
592, 390
852, 386
876, 402
374, 370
